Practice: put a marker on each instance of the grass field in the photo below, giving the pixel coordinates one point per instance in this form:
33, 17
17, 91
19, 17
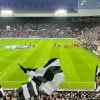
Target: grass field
78, 64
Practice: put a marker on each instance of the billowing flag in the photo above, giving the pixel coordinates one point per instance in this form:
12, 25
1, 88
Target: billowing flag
49, 77
97, 79
28, 90
2, 94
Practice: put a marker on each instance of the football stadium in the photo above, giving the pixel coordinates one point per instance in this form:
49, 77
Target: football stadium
50, 50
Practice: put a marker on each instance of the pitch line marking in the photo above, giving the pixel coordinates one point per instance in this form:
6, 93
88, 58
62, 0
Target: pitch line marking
13, 81
92, 57
26, 81
3, 75
78, 82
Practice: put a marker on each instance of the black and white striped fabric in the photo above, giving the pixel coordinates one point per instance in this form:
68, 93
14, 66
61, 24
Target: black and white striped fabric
49, 77
97, 79
2, 94
28, 90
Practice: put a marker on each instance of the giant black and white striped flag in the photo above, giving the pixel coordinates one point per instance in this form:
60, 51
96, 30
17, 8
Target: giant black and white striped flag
49, 77
28, 90
97, 79
2, 94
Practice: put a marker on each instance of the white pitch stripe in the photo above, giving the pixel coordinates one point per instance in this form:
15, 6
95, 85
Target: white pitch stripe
3, 75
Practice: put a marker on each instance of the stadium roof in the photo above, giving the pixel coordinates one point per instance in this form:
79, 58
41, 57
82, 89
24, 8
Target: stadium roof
48, 7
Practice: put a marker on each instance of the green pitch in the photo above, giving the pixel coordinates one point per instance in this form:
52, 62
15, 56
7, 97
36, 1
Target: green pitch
78, 64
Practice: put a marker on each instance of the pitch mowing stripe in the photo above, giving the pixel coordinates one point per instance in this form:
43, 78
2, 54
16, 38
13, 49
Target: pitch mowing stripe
3, 51
5, 42
53, 49
92, 58
17, 84
29, 65
55, 53
70, 68
9, 42
90, 62
44, 57
19, 72
34, 56
65, 55
95, 57
72, 85
81, 67
12, 57
12, 65
63, 85
71, 71
90, 73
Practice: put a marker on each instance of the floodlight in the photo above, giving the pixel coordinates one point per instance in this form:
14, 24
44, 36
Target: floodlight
60, 12
6, 12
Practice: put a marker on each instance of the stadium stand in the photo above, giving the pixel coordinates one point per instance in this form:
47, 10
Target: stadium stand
84, 29
49, 28
53, 28
68, 95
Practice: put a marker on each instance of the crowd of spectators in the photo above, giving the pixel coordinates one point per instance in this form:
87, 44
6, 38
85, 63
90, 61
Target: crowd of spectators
84, 29
50, 28
68, 95
40, 30
91, 36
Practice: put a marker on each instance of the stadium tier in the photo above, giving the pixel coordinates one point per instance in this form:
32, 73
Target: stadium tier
32, 42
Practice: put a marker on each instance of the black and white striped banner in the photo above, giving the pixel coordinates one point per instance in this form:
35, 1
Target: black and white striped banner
28, 90
2, 94
47, 78
97, 79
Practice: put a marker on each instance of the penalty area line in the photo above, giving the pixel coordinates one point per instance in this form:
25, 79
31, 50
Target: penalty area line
91, 57
2, 75
12, 81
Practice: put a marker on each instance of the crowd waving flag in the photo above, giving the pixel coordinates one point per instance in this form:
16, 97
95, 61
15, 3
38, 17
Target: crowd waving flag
27, 90
2, 94
47, 78
97, 79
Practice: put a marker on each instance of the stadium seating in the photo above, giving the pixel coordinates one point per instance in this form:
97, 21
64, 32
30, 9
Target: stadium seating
68, 95
86, 31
